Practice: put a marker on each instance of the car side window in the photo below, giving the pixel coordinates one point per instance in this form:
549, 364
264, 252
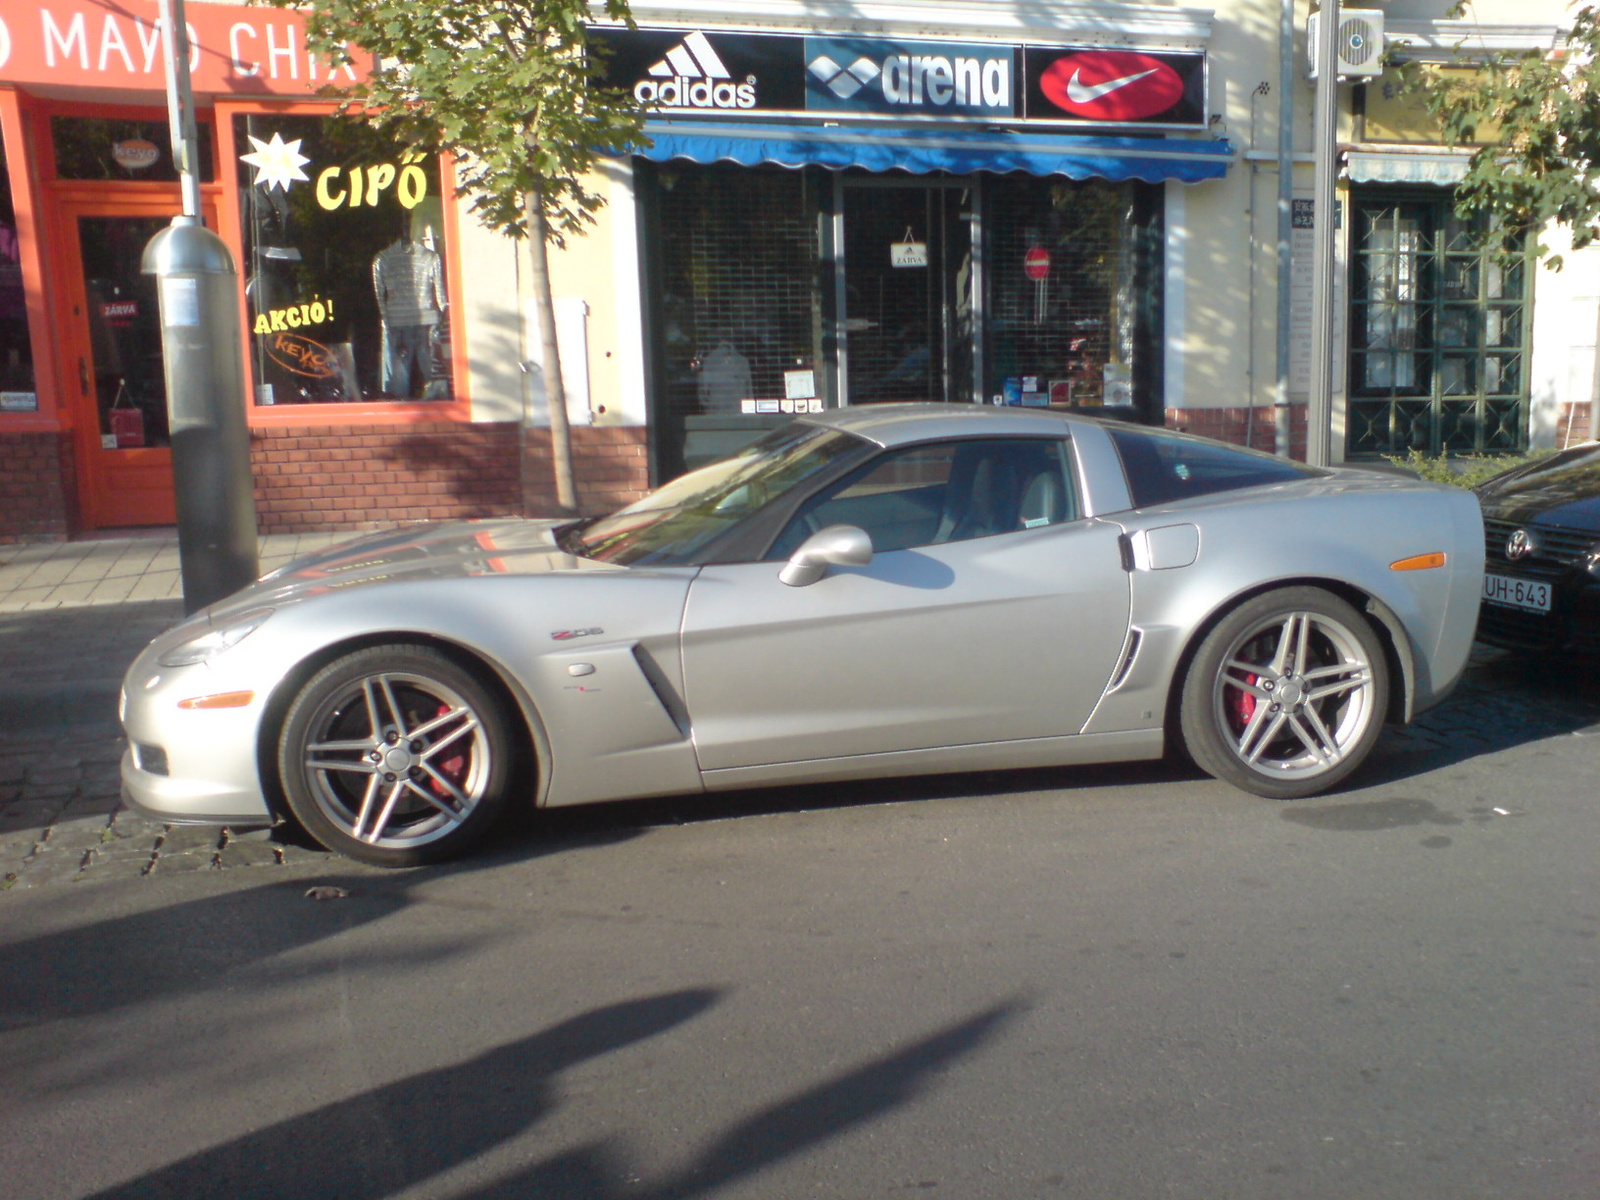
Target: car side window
944, 492
1162, 467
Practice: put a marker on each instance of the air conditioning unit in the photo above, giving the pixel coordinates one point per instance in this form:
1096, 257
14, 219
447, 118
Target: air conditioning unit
1360, 41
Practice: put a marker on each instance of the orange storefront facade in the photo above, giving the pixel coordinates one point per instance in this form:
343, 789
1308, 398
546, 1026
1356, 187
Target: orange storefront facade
349, 260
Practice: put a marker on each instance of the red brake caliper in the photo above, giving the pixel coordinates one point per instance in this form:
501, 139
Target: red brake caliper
453, 768
1244, 703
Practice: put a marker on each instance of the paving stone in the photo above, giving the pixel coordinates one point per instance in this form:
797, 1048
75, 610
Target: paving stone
172, 864
125, 867
185, 839
294, 855
249, 854
77, 831
44, 870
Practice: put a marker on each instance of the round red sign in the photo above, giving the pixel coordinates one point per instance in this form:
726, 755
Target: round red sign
1036, 262
1111, 85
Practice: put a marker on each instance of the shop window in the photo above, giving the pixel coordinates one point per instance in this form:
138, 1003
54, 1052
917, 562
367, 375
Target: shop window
739, 317
1438, 331
1074, 312
110, 148
344, 251
17, 392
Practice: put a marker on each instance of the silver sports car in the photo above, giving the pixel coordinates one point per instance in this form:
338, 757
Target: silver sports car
871, 591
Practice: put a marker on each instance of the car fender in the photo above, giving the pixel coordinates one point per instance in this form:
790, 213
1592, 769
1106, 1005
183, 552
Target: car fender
1340, 535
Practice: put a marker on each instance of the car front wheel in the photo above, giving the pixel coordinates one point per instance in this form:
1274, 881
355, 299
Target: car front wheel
1286, 695
396, 756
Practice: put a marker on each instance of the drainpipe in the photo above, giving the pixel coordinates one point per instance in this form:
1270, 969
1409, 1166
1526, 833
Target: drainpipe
1286, 82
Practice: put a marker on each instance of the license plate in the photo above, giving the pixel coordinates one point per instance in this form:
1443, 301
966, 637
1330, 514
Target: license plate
1526, 594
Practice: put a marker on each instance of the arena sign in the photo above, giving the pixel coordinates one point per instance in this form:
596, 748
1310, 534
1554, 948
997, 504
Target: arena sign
708, 73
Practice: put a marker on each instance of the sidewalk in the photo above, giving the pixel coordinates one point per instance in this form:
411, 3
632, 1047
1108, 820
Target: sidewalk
72, 617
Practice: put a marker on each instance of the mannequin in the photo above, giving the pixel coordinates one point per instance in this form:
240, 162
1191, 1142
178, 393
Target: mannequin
408, 277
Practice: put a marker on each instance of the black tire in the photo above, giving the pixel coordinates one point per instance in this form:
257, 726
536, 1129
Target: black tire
396, 756
1255, 714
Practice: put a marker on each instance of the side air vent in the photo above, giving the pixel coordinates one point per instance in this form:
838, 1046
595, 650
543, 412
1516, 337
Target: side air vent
1130, 653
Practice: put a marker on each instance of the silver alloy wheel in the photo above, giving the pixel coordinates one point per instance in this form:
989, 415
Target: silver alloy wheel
1295, 694
396, 759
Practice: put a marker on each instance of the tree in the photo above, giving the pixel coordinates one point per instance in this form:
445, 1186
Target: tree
510, 88
1535, 119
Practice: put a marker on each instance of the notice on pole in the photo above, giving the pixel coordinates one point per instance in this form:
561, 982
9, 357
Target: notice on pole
180, 301
1301, 253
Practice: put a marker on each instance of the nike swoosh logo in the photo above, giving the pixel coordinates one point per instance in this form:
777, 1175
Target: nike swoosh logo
1080, 94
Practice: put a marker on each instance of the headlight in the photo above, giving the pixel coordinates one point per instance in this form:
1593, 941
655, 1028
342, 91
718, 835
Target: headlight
214, 641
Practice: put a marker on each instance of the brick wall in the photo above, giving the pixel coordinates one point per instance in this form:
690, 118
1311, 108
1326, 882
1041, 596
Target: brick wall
348, 477
610, 464
1243, 426
1573, 425
36, 487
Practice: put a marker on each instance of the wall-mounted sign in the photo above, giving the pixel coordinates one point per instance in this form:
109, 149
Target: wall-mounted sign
1118, 87
709, 73
90, 43
861, 75
135, 154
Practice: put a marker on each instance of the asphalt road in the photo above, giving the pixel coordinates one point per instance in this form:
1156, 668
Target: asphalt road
1120, 983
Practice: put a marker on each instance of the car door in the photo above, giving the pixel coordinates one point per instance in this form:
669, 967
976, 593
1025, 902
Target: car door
990, 611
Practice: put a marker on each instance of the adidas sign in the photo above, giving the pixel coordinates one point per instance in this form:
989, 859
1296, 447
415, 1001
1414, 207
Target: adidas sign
692, 75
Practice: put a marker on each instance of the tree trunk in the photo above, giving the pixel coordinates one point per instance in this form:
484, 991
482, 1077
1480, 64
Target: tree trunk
554, 389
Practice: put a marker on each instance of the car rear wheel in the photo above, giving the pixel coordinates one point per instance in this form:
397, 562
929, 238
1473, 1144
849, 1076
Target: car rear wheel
396, 756
1286, 695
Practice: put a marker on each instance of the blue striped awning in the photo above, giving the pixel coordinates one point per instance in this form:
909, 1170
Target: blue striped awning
959, 152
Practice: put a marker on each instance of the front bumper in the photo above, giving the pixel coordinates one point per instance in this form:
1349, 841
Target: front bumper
191, 801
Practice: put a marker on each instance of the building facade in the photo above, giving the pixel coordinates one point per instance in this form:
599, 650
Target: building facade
978, 202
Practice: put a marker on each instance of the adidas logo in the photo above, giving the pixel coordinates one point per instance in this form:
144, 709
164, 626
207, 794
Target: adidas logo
694, 58
693, 75
843, 82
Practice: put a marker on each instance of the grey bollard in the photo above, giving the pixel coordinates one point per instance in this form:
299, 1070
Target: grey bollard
198, 287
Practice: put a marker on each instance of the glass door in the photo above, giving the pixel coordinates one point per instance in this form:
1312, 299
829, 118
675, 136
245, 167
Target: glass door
906, 306
114, 365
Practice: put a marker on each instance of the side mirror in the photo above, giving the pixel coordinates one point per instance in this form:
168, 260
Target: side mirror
835, 546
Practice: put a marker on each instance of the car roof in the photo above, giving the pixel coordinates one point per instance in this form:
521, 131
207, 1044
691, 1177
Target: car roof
896, 424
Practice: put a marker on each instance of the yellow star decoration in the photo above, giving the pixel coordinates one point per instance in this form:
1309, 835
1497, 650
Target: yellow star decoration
277, 162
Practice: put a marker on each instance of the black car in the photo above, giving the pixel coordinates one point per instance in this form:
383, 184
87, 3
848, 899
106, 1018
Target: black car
1541, 527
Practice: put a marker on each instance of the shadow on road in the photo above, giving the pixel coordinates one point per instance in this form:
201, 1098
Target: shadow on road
408, 1132
179, 949
383, 1141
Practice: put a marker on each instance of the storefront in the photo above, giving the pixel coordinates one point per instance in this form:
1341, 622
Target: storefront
821, 217
346, 246
837, 220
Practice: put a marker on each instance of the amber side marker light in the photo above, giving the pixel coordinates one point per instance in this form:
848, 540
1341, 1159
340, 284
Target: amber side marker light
1419, 562
220, 700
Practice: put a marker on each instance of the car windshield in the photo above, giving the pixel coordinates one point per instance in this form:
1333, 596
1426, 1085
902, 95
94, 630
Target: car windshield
674, 522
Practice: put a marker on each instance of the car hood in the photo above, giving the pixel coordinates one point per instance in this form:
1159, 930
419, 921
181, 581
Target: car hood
439, 551
1563, 491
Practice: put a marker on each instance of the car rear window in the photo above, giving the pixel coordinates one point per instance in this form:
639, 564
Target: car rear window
1163, 466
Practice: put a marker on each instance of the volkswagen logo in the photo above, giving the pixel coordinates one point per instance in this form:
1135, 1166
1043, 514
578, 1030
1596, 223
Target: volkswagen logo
1519, 545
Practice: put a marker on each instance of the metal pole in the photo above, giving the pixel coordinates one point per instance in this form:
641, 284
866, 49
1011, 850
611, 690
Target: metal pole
180, 104
198, 288
1324, 148
1282, 441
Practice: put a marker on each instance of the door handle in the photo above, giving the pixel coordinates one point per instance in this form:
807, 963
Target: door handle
83, 375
